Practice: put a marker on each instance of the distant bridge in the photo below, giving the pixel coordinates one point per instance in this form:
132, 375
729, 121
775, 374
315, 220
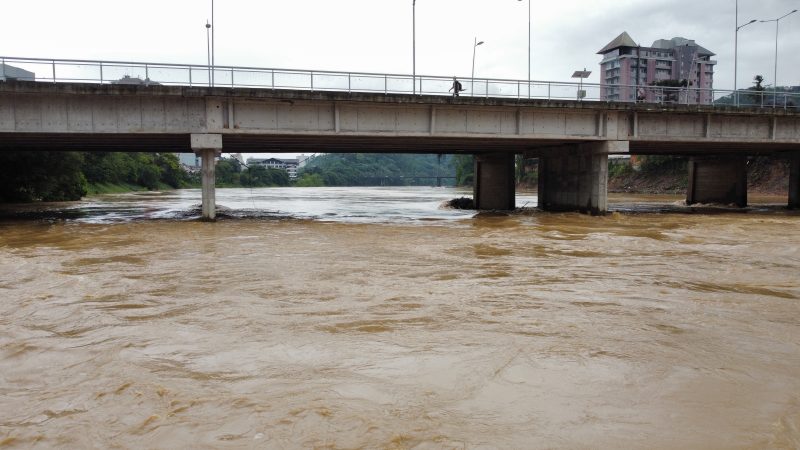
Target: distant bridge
571, 138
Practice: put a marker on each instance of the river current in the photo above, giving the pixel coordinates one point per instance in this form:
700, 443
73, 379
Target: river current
373, 318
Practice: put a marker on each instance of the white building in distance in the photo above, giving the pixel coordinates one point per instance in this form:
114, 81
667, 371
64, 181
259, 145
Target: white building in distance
289, 165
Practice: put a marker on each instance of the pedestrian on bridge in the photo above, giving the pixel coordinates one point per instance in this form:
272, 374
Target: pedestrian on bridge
456, 87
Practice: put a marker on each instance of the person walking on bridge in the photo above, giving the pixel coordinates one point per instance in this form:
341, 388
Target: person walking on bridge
456, 87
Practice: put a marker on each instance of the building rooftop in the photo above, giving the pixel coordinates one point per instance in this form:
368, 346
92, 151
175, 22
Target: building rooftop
623, 40
678, 42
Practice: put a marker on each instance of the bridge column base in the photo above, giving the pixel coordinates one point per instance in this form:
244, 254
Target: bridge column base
575, 179
794, 182
718, 180
208, 147
494, 181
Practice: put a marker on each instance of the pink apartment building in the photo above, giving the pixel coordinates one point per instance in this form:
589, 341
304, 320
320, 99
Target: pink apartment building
628, 71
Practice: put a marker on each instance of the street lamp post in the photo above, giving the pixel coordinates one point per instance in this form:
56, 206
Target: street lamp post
414, 44
208, 50
736, 54
472, 80
529, 47
775, 74
213, 68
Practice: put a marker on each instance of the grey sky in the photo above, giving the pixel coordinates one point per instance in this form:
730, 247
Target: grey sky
376, 35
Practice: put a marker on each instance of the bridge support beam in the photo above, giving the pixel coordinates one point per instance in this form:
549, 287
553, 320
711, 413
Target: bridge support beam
494, 181
208, 147
794, 181
575, 178
718, 180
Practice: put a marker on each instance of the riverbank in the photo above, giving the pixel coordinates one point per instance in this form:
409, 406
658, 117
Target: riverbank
765, 176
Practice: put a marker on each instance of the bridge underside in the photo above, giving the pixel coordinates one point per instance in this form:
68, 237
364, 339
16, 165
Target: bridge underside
338, 143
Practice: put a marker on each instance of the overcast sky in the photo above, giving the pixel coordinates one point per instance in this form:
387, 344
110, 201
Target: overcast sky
376, 35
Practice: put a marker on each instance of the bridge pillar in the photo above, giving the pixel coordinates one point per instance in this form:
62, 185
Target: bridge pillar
794, 182
717, 180
576, 178
208, 147
494, 181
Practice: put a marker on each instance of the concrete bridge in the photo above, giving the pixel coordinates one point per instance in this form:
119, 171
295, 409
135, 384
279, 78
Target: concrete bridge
572, 139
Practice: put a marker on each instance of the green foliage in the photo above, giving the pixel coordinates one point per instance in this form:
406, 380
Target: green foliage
671, 83
465, 169
172, 174
54, 176
41, 176
150, 170
260, 176
526, 171
758, 79
228, 172
619, 170
310, 180
371, 169
656, 164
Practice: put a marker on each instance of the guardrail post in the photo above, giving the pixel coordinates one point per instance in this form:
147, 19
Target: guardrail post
101, 72
273, 79
487, 88
312, 81
349, 86
3, 67
518, 83
231, 76
548, 90
54, 71
190, 76
146, 72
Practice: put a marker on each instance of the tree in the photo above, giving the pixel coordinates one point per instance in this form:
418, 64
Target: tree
465, 169
260, 176
672, 93
27, 176
228, 172
758, 96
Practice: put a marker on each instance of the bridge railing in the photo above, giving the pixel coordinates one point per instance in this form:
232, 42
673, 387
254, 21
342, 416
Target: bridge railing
121, 72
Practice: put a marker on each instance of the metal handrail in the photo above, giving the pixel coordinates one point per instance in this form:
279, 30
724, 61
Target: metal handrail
95, 71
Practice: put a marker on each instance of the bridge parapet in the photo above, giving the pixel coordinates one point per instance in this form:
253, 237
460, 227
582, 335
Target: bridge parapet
195, 75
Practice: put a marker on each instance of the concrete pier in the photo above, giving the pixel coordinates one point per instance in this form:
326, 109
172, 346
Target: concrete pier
794, 182
717, 180
494, 181
208, 147
575, 179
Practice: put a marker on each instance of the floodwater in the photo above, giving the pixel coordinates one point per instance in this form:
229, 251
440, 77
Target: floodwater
371, 318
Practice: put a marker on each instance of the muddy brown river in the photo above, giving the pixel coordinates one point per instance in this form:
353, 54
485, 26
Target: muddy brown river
371, 318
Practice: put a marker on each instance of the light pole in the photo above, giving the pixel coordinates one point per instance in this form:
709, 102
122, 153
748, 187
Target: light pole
775, 75
472, 80
208, 50
736, 54
213, 68
414, 44
529, 47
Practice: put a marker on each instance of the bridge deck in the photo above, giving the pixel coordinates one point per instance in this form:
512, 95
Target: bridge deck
36, 115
